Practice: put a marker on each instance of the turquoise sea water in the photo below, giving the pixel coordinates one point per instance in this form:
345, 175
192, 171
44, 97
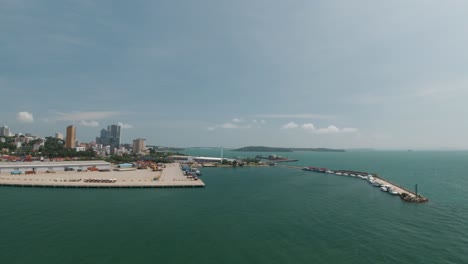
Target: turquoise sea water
251, 215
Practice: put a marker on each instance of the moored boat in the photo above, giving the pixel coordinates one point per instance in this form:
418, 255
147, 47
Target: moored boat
392, 191
374, 183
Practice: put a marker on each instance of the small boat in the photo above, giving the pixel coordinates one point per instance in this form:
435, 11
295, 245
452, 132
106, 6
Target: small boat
345, 174
352, 175
384, 189
374, 183
392, 191
339, 173
197, 171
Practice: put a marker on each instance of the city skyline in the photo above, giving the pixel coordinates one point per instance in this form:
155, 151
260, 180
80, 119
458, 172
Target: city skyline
382, 75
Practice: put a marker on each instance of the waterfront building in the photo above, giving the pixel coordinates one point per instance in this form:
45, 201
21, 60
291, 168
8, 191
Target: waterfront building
139, 146
70, 141
179, 158
58, 135
5, 131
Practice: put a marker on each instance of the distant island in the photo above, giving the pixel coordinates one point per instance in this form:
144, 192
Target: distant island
273, 149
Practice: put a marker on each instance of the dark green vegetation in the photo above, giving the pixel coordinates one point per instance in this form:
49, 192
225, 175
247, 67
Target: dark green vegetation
8, 144
274, 149
52, 148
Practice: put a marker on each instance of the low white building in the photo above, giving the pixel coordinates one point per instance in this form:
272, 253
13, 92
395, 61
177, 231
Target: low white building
78, 149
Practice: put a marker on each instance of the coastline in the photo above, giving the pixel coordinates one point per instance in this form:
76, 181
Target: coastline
171, 176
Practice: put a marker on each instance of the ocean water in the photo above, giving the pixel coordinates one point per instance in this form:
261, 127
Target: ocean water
252, 215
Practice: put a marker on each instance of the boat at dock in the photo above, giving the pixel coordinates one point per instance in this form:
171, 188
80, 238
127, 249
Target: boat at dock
317, 169
392, 191
374, 183
197, 171
384, 189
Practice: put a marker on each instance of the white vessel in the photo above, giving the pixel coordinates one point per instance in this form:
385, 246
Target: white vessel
374, 183
392, 191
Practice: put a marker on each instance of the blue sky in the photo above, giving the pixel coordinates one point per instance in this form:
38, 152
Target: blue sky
343, 74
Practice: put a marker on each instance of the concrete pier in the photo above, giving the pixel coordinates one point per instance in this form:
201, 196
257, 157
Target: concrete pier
171, 177
404, 193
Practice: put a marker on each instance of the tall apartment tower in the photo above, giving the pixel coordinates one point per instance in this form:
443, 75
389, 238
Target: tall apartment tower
114, 132
4, 131
139, 145
70, 141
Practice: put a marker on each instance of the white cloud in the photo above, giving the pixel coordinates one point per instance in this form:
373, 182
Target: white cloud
124, 126
25, 117
308, 126
78, 116
89, 123
290, 125
328, 130
298, 116
238, 123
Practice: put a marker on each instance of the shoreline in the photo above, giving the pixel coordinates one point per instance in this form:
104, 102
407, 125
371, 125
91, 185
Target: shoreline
170, 177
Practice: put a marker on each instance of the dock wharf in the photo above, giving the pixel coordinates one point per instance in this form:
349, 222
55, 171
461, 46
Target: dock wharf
404, 193
170, 177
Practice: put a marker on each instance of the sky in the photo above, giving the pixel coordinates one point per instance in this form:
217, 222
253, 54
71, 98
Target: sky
337, 74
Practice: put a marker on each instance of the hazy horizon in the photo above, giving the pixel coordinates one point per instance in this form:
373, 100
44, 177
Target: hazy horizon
332, 74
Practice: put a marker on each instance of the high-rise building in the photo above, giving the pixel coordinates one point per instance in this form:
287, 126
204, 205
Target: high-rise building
70, 141
59, 135
138, 145
103, 138
114, 131
5, 131
110, 137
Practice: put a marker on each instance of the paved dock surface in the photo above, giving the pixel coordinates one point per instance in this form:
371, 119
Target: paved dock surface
171, 176
394, 187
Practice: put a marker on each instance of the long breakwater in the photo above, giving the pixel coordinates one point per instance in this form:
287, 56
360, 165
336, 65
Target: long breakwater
404, 193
